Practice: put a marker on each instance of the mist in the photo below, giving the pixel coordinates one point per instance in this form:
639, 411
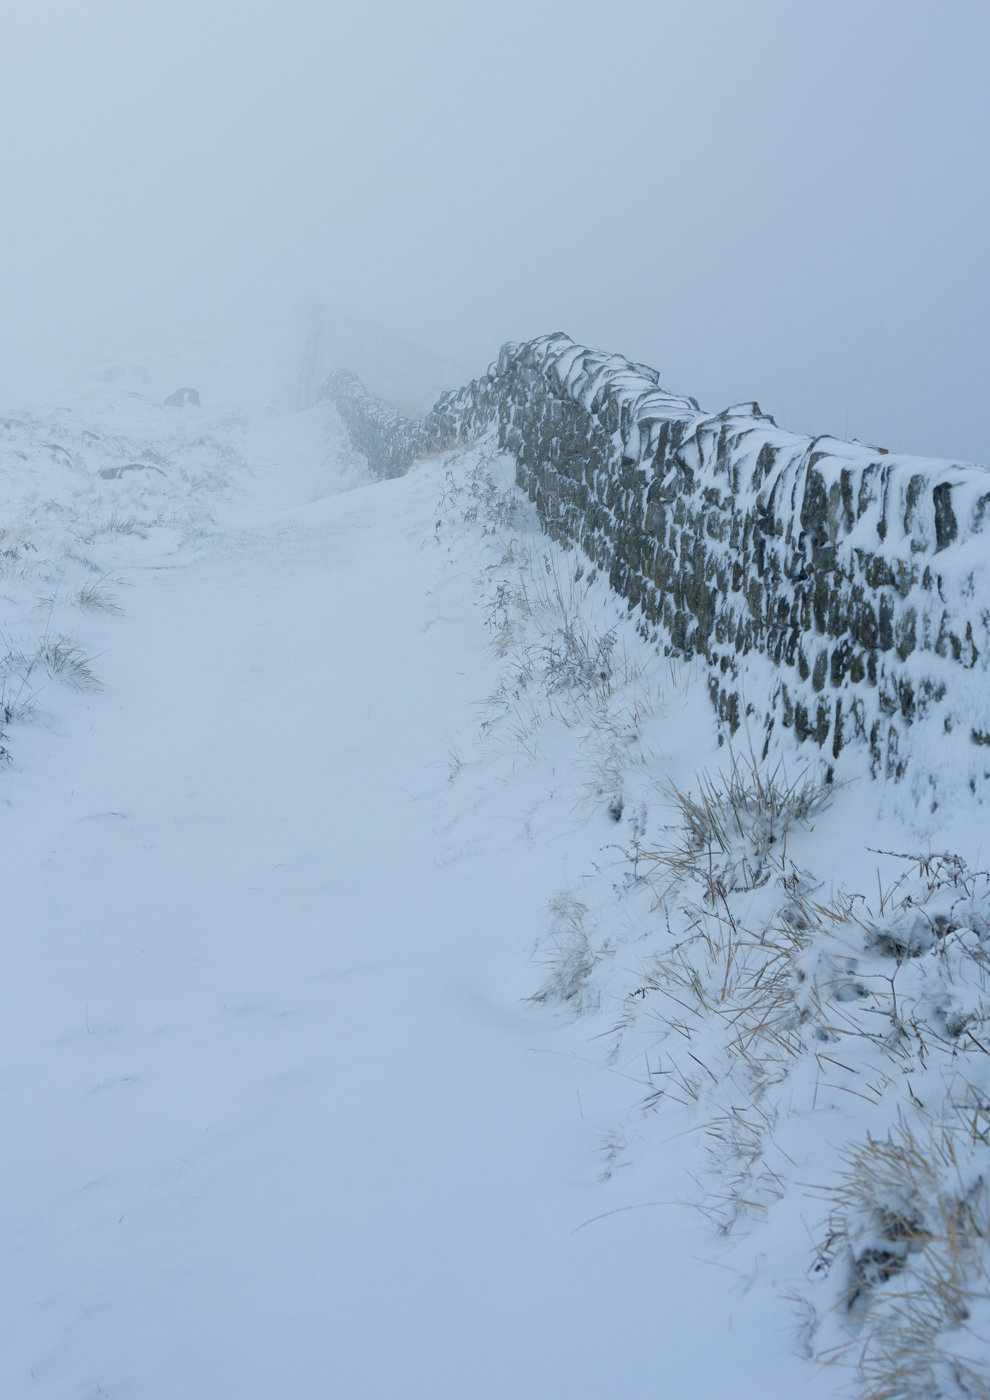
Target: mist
766, 201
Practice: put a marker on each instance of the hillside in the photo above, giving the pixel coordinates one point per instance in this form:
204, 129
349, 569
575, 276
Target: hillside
410, 990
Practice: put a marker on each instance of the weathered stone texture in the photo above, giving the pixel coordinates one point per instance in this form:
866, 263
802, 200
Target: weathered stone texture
849, 570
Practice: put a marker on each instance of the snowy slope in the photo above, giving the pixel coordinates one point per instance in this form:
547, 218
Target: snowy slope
282, 1115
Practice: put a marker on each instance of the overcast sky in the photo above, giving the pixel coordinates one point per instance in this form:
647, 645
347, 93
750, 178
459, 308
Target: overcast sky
784, 200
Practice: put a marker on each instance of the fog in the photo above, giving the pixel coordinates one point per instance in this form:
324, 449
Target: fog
782, 201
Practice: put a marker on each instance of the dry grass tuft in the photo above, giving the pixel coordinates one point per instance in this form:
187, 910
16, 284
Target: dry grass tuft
909, 1237
96, 597
568, 953
60, 658
733, 835
117, 524
65, 660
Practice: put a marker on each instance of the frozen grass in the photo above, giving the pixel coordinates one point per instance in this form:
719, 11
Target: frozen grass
733, 834
569, 956
25, 673
97, 596
58, 658
94, 596
119, 524
887, 1000
909, 1235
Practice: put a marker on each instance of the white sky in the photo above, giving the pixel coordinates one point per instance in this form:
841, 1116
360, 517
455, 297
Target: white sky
783, 200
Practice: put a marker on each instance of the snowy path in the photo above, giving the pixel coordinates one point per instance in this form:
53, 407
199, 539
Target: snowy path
274, 1122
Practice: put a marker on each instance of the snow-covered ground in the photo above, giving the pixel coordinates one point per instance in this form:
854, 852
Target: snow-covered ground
331, 1062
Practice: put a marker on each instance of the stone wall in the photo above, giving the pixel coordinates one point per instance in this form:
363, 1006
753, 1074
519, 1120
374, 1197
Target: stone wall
830, 589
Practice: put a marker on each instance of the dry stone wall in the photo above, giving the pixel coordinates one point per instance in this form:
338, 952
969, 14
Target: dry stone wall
831, 589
